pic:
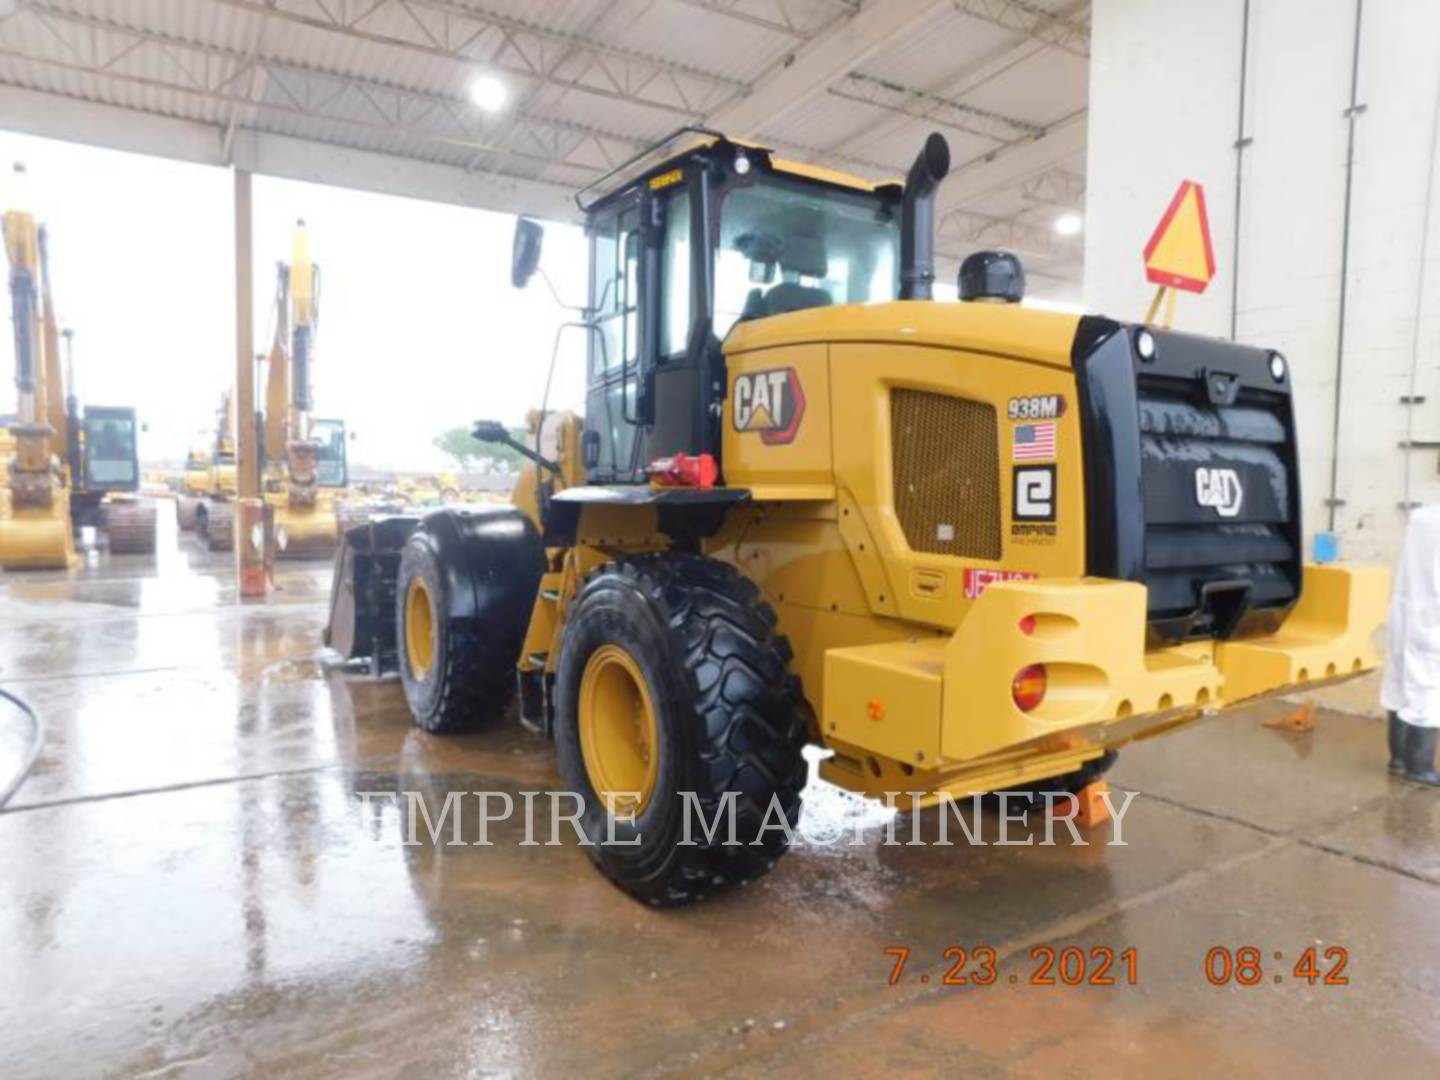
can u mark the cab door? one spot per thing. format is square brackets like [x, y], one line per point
[611, 417]
[646, 396]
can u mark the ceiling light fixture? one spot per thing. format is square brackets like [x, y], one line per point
[1069, 224]
[488, 93]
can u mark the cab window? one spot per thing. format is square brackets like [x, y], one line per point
[675, 304]
[785, 246]
[614, 292]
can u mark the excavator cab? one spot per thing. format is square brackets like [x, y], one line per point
[331, 466]
[112, 462]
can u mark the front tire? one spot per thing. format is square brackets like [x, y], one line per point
[682, 654]
[458, 674]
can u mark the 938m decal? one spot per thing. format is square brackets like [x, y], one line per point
[769, 402]
[1037, 407]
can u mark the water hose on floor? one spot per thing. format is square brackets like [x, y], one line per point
[34, 753]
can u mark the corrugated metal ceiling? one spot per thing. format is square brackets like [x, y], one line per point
[589, 81]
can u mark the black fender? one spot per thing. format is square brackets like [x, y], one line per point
[681, 513]
[492, 560]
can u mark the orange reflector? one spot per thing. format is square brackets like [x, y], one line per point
[1029, 686]
[1027, 625]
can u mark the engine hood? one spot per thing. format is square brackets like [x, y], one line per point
[1011, 330]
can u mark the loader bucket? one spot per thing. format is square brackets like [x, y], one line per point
[362, 592]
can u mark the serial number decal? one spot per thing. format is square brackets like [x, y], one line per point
[769, 402]
[978, 578]
[1037, 407]
[1070, 965]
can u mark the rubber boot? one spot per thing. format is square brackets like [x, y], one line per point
[1397, 742]
[1420, 755]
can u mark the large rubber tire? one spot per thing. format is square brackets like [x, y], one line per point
[730, 718]
[469, 680]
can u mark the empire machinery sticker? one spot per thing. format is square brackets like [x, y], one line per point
[1033, 503]
[769, 402]
[977, 579]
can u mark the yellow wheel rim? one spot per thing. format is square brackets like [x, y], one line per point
[419, 628]
[619, 735]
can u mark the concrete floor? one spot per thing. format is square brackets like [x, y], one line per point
[191, 885]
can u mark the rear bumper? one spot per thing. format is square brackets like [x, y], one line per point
[937, 714]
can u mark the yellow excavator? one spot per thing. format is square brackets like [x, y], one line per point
[304, 468]
[66, 470]
[207, 503]
[190, 487]
[102, 454]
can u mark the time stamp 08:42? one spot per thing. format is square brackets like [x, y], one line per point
[1101, 965]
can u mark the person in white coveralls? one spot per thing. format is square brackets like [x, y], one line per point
[1410, 687]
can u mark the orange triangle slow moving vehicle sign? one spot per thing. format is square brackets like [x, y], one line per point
[1179, 253]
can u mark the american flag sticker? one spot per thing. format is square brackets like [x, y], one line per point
[1035, 442]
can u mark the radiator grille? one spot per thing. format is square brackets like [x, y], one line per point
[947, 473]
[1188, 546]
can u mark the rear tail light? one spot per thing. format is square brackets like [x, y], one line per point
[1029, 687]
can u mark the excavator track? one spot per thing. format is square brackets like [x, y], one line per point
[220, 526]
[185, 508]
[130, 524]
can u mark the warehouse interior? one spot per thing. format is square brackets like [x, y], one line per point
[880, 410]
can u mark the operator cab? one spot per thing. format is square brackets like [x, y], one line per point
[688, 241]
[698, 234]
[331, 468]
[112, 462]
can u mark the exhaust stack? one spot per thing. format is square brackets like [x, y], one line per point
[917, 219]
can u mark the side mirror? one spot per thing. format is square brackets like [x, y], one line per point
[525, 253]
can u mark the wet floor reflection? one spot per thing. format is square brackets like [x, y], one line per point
[196, 880]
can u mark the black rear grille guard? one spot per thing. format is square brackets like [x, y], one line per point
[1205, 579]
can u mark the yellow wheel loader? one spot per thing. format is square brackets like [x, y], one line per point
[962, 547]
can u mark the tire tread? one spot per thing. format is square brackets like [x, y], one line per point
[752, 720]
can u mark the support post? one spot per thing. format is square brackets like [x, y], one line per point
[247, 479]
